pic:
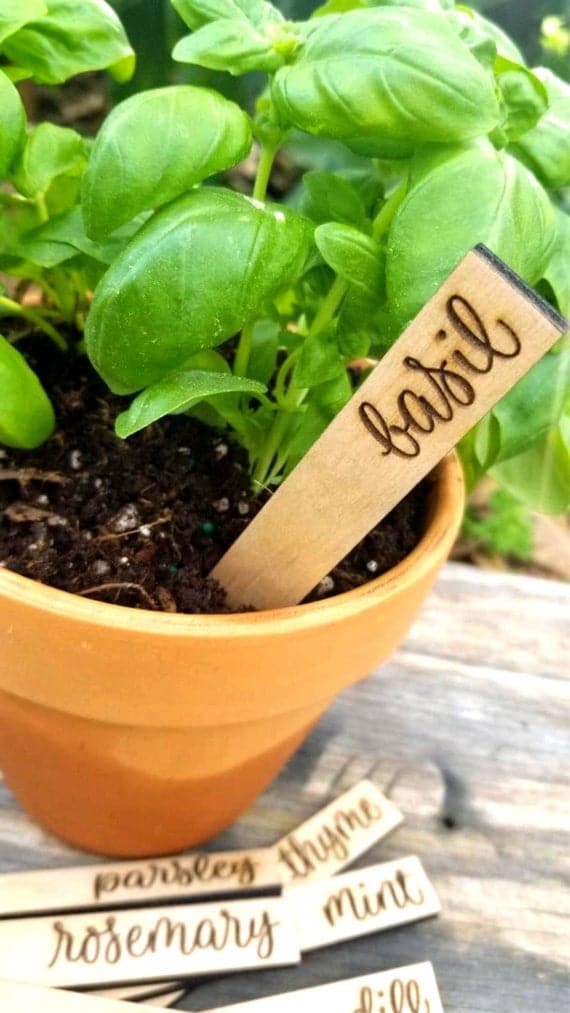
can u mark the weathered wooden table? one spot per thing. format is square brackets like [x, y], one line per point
[467, 730]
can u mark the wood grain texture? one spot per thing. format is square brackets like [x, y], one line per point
[478, 334]
[467, 731]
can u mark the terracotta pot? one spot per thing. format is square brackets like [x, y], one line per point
[133, 733]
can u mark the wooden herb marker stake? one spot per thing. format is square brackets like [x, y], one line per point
[167, 1000]
[336, 836]
[479, 334]
[149, 996]
[361, 902]
[197, 874]
[15, 998]
[411, 989]
[149, 944]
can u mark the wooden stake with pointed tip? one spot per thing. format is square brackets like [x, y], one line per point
[474, 339]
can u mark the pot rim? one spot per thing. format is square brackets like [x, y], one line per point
[444, 516]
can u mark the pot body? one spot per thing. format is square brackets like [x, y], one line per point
[133, 733]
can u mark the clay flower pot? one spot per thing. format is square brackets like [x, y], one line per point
[132, 733]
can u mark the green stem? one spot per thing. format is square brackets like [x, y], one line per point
[243, 351]
[276, 434]
[41, 208]
[329, 306]
[13, 199]
[36, 318]
[295, 396]
[284, 372]
[266, 159]
[384, 218]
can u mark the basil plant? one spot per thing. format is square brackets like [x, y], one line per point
[427, 134]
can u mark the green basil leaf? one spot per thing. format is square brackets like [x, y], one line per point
[178, 392]
[338, 7]
[353, 255]
[320, 360]
[26, 414]
[234, 46]
[474, 29]
[524, 97]
[470, 195]
[324, 154]
[14, 14]
[540, 477]
[219, 255]
[63, 237]
[15, 74]
[332, 395]
[557, 270]
[330, 198]
[546, 148]
[72, 37]
[195, 133]
[424, 5]
[12, 124]
[486, 443]
[50, 151]
[353, 344]
[307, 428]
[43, 250]
[263, 353]
[384, 81]
[534, 405]
[324, 403]
[196, 13]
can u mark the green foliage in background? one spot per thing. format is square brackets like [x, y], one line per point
[505, 529]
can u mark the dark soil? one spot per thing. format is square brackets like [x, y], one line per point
[142, 522]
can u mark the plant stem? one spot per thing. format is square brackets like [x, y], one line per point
[13, 199]
[276, 434]
[41, 207]
[14, 309]
[243, 351]
[384, 218]
[295, 396]
[283, 374]
[266, 159]
[329, 306]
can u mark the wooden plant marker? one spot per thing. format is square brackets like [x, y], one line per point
[480, 333]
[148, 944]
[150, 997]
[337, 835]
[15, 998]
[362, 902]
[197, 874]
[411, 989]
[166, 1000]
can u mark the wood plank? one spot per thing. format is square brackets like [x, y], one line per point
[466, 730]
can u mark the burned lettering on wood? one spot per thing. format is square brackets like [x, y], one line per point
[362, 900]
[445, 388]
[106, 944]
[400, 997]
[201, 868]
[331, 840]
[358, 903]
